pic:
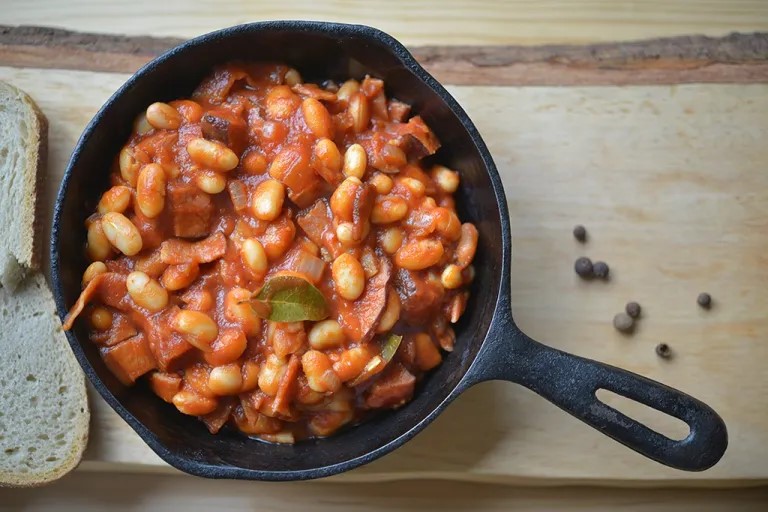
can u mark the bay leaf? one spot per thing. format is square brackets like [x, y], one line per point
[289, 298]
[379, 362]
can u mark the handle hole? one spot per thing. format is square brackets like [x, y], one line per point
[669, 426]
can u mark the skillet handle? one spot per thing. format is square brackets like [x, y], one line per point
[570, 382]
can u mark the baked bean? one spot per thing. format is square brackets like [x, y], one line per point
[419, 254]
[369, 262]
[101, 318]
[192, 404]
[268, 200]
[150, 190]
[429, 203]
[98, 247]
[196, 379]
[382, 183]
[146, 292]
[286, 338]
[281, 102]
[178, 277]
[225, 380]
[227, 348]
[447, 223]
[292, 77]
[348, 276]
[343, 198]
[238, 309]
[129, 166]
[345, 232]
[278, 238]
[351, 363]
[413, 185]
[355, 161]
[92, 270]
[392, 239]
[190, 110]
[116, 199]
[326, 334]
[388, 209]
[162, 116]
[465, 250]
[198, 329]
[121, 233]
[393, 158]
[254, 162]
[254, 257]
[317, 117]
[427, 354]
[451, 277]
[250, 372]
[212, 155]
[141, 126]
[198, 300]
[210, 182]
[319, 372]
[446, 179]
[328, 160]
[271, 373]
[359, 111]
[391, 313]
[347, 89]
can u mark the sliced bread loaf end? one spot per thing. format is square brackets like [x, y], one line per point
[23, 139]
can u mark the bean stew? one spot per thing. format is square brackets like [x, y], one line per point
[276, 255]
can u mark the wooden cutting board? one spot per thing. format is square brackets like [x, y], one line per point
[660, 148]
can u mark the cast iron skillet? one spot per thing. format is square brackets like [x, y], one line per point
[489, 344]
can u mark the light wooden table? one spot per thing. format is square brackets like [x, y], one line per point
[416, 22]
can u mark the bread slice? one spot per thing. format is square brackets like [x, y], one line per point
[23, 137]
[43, 404]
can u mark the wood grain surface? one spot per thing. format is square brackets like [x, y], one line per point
[737, 58]
[415, 22]
[90, 492]
[670, 182]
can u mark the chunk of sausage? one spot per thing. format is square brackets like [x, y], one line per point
[420, 297]
[393, 389]
[360, 320]
[180, 252]
[129, 359]
[191, 210]
[223, 125]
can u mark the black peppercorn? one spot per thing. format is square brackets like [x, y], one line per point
[704, 300]
[601, 269]
[583, 267]
[623, 322]
[633, 309]
[580, 233]
[663, 351]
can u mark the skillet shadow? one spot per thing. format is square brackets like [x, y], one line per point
[457, 441]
